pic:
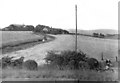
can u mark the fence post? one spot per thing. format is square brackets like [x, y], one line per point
[102, 58]
[116, 59]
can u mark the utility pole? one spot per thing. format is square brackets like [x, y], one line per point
[76, 28]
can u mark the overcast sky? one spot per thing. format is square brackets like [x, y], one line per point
[92, 14]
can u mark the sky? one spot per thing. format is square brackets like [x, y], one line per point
[92, 14]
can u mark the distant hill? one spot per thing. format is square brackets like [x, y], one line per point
[104, 31]
[109, 33]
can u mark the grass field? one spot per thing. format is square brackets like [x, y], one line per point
[17, 37]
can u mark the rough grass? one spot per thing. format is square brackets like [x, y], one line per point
[48, 72]
[11, 38]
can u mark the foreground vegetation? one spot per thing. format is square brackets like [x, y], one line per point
[60, 65]
[49, 72]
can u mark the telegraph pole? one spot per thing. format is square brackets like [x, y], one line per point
[76, 28]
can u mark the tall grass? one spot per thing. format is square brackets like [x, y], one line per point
[46, 72]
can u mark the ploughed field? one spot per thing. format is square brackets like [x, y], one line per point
[11, 38]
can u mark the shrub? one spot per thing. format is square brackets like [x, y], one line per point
[93, 63]
[54, 58]
[84, 65]
[30, 65]
[102, 65]
[102, 35]
[95, 35]
[17, 62]
[5, 61]
[70, 59]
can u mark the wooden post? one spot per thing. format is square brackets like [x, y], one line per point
[102, 58]
[116, 59]
[76, 28]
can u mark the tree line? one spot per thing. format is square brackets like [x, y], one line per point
[100, 35]
[37, 28]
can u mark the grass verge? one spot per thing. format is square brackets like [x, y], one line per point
[48, 72]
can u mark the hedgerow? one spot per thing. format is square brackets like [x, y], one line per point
[71, 59]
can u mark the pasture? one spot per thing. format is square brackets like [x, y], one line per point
[11, 38]
[16, 37]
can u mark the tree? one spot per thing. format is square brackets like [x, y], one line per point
[95, 35]
[39, 28]
[29, 28]
[102, 35]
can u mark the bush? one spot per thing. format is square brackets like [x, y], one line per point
[9, 62]
[93, 63]
[102, 65]
[84, 65]
[70, 59]
[17, 62]
[30, 65]
[5, 61]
